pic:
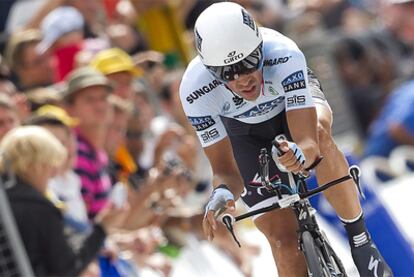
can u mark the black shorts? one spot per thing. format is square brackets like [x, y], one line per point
[248, 139]
[315, 86]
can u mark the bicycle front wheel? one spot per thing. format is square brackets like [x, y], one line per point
[312, 255]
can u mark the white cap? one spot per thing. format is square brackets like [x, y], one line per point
[57, 23]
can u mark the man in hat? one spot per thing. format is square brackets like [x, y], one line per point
[118, 66]
[86, 98]
[30, 68]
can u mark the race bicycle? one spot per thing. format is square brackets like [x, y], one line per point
[321, 259]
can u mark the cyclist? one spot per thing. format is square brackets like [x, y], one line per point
[247, 85]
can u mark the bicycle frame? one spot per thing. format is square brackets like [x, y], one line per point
[291, 199]
[299, 203]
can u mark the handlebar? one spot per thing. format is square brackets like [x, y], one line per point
[228, 220]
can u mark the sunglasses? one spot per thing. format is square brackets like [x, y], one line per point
[232, 72]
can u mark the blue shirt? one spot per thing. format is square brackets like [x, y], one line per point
[398, 110]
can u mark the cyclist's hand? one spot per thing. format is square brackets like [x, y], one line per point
[221, 200]
[292, 159]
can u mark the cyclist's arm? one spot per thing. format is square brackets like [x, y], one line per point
[303, 129]
[203, 113]
[300, 109]
[224, 166]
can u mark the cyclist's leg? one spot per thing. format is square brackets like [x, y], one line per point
[279, 227]
[344, 197]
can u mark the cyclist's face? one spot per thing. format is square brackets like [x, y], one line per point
[247, 86]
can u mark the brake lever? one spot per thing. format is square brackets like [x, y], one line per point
[355, 173]
[228, 221]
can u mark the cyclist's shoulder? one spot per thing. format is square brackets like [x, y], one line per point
[195, 71]
[280, 51]
[275, 42]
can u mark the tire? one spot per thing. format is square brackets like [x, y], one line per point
[312, 255]
[338, 263]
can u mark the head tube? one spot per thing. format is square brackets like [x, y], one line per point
[228, 73]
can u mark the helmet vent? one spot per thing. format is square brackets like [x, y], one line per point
[248, 20]
[199, 40]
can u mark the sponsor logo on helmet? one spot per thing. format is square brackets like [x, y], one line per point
[199, 40]
[202, 91]
[262, 108]
[248, 20]
[294, 81]
[202, 122]
[275, 61]
[232, 56]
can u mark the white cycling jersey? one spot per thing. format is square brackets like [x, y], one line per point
[285, 87]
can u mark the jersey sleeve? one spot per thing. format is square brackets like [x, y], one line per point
[203, 114]
[294, 80]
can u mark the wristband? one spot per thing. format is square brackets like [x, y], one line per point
[222, 186]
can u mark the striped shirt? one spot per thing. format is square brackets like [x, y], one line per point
[92, 168]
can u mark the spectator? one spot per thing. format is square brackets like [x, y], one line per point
[94, 14]
[8, 115]
[366, 76]
[118, 67]
[153, 63]
[43, 96]
[161, 25]
[135, 144]
[33, 155]
[19, 100]
[66, 185]
[126, 37]
[30, 69]
[394, 37]
[86, 98]
[395, 124]
[122, 165]
[62, 29]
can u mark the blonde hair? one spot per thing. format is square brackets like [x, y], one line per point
[24, 147]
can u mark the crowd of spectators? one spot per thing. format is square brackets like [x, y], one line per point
[102, 78]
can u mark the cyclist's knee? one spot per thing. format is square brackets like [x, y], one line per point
[282, 243]
[280, 232]
[325, 117]
[325, 138]
[326, 141]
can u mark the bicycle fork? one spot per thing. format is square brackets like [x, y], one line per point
[305, 215]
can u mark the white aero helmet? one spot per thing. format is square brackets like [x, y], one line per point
[228, 41]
